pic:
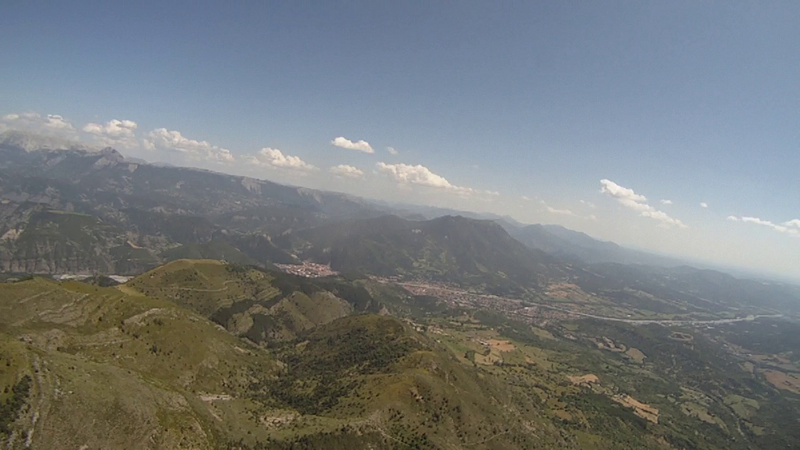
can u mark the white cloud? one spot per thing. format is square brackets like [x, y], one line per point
[765, 223]
[361, 146]
[526, 198]
[703, 205]
[666, 202]
[274, 158]
[791, 227]
[663, 217]
[733, 218]
[565, 212]
[420, 175]
[392, 151]
[56, 122]
[619, 192]
[636, 206]
[589, 204]
[114, 133]
[630, 199]
[52, 124]
[561, 212]
[758, 221]
[170, 140]
[343, 170]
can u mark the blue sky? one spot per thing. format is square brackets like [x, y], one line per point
[484, 104]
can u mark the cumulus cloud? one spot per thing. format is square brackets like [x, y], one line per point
[791, 227]
[52, 124]
[420, 175]
[361, 146]
[171, 140]
[343, 170]
[274, 158]
[619, 192]
[115, 133]
[56, 122]
[703, 205]
[666, 202]
[392, 151]
[630, 199]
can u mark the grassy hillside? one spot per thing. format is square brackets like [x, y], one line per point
[262, 305]
[144, 367]
[146, 373]
[211, 250]
[108, 369]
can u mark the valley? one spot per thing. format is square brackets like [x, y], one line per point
[179, 308]
[404, 225]
[530, 311]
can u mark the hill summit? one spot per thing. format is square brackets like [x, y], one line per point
[477, 253]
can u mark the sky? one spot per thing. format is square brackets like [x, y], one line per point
[667, 126]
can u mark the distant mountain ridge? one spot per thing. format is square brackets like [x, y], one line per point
[69, 176]
[449, 248]
[93, 212]
[553, 239]
[563, 242]
[96, 212]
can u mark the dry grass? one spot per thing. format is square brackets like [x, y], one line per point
[785, 381]
[585, 379]
[642, 410]
[636, 355]
[502, 346]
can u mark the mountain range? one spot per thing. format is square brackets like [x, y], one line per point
[87, 211]
[94, 211]
[409, 327]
